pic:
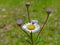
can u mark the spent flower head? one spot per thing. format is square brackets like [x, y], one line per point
[19, 22]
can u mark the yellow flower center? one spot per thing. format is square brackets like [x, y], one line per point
[31, 27]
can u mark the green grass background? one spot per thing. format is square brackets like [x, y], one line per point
[11, 34]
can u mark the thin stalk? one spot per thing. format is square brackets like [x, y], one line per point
[32, 42]
[25, 33]
[28, 16]
[43, 26]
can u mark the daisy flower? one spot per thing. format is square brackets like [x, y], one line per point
[30, 27]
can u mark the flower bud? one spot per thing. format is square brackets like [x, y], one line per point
[48, 10]
[27, 4]
[19, 22]
[34, 21]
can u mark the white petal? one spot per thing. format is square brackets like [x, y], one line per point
[37, 27]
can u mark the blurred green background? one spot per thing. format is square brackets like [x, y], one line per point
[12, 10]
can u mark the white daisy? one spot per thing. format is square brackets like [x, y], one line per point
[31, 27]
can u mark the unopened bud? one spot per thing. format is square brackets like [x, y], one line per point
[19, 22]
[27, 3]
[48, 10]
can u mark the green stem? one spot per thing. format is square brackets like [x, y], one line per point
[43, 26]
[28, 14]
[32, 42]
[25, 33]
